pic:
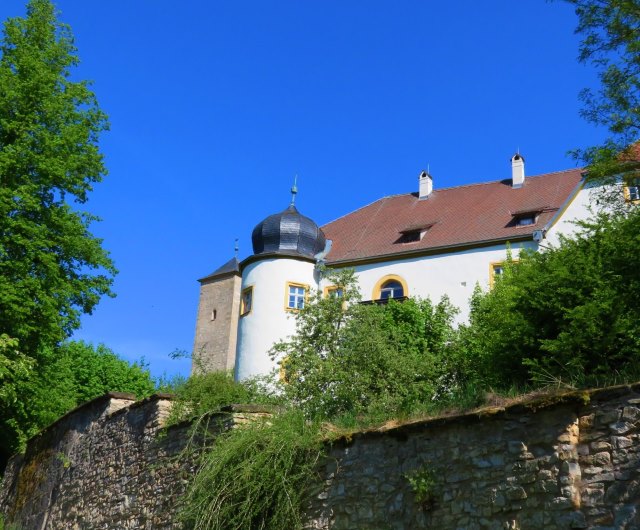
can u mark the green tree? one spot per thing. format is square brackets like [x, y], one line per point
[347, 357]
[611, 43]
[52, 269]
[569, 314]
[72, 374]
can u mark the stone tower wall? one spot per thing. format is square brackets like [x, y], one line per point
[214, 347]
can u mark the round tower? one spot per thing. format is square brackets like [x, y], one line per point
[276, 281]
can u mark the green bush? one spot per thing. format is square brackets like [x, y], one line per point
[566, 315]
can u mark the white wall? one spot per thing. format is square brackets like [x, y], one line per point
[268, 321]
[454, 274]
[577, 209]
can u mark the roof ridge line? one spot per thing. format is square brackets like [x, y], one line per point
[447, 188]
[500, 180]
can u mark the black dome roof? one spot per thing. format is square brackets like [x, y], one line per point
[288, 232]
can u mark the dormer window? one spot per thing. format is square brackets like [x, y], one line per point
[413, 234]
[524, 218]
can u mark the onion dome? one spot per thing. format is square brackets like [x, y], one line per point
[288, 233]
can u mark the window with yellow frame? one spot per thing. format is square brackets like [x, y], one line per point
[246, 301]
[295, 296]
[283, 372]
[333, 291]
[496, 269]
[632, 190]
[390, 287]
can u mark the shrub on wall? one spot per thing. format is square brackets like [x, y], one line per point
[568, 314]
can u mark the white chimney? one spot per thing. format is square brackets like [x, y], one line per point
[425, 185]
[517, 171]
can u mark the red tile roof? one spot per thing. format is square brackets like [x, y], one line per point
[464, 215]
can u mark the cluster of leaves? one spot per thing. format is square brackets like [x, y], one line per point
[48, 155]
[352, 358]
[611, 43]
[203, 393]
[67, 376]
[423, 483]
[569, 314]
[256, 477]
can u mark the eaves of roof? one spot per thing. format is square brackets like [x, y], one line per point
[445, 249]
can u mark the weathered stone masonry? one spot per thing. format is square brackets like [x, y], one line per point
[572, 462]
[567, 462]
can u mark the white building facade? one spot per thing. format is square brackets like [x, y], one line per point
[431, 243]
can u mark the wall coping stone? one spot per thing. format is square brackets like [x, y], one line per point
[96, 402]
[538, 402]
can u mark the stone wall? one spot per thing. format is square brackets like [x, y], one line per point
[108, 464]
[570, 461]
[567, 462]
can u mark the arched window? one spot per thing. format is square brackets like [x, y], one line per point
[390, 287]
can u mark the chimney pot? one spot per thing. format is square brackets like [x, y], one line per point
[517, 171]
[425, 185]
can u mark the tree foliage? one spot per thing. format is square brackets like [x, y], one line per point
[207, 392]
[611, 43]
[68, 375]
[347, 357]
[52, 269]
[568, 314]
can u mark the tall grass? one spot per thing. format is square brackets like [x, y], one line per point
[257, 477]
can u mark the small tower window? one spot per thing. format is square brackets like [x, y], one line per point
[214, 314]
[296, 296]
[246, 301]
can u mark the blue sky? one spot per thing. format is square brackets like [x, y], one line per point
[215, 106]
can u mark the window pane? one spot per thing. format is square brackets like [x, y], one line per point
[296, 297]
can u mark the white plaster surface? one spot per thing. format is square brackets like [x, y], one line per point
[454, 274]
[578, 209]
